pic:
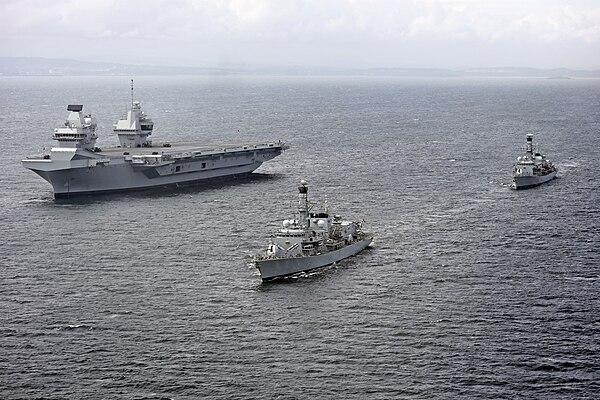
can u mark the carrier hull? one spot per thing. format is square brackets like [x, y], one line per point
[271, 268]
[81, 172]
[524, 182]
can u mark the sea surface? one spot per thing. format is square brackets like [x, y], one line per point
[470, 291]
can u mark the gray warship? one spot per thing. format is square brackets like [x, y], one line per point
[75, 166]
[532, 168]
[313, 240]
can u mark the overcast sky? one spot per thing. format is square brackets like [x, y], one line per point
[335, 33]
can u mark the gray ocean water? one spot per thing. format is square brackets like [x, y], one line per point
[471, 291]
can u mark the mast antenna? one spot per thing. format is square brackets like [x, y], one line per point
[132, 93]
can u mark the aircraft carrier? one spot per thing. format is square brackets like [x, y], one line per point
[77, 167]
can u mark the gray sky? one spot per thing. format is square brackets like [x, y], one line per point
[336, 33]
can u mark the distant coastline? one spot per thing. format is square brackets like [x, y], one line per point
[32, 66]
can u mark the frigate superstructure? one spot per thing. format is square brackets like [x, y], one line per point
[311, 240]
[532, 168]
[75, 166]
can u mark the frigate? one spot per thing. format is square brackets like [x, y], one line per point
[75, 166]
[532, 168]
[311, 240]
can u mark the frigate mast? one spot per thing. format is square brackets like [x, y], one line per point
[132, 93]
[529, 149]
[303, 204]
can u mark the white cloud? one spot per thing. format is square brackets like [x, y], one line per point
[270, 19]
[245, 25]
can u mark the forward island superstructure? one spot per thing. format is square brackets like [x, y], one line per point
[312, 240]
[532, 168]
[77, 167]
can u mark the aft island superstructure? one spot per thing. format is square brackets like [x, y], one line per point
[77, 167]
